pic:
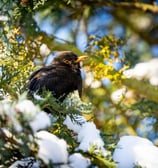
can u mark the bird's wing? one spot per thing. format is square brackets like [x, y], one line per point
[58, 80]
[35, 81]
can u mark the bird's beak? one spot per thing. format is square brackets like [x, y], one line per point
[81, 58]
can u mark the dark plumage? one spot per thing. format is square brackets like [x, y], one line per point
[61, 77]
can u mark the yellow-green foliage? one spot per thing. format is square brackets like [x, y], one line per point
[15, 61]
[104, 52]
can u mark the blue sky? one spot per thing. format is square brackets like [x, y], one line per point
[99, 25]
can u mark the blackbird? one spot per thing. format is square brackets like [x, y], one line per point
[60, 78]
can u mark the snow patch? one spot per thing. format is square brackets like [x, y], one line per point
[40, 121]
[51, 148]
[133, 150]
[78, 161]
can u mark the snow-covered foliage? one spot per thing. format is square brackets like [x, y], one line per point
[85, 136]
[32, 114]
[25, 127]
[74, 126]
[27, 162]
[29, 139]
[146, 70]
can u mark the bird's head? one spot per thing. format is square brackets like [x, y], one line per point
[68, 58]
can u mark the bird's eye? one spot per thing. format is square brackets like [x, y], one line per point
[67, 61]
